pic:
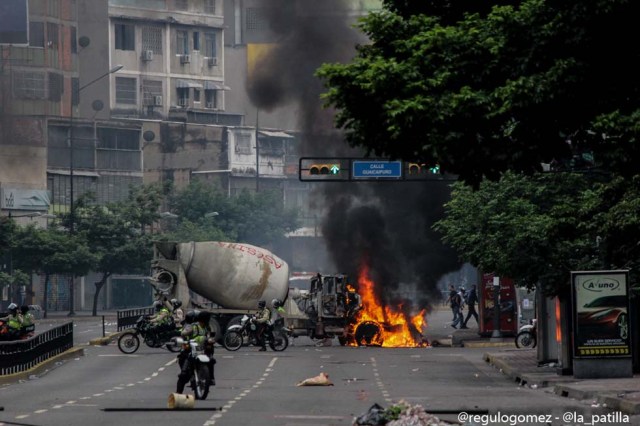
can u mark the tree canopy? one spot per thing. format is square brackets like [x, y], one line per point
[538, 229]
[206, 214]
[479, 88]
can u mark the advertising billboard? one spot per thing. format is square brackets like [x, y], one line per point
[14, 22]
[601, 314]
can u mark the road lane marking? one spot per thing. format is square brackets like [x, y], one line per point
[23, 416]
[212, 420]
[41, 411]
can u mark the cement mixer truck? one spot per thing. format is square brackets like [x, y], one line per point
[235, 276]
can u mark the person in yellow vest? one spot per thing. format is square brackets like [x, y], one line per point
[14, 321]
[28, 321]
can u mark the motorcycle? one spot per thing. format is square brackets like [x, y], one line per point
[7, 334]
[199, 373]
[153, 336]
[526, 337]
[245, 334]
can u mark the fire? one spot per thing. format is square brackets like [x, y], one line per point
[379, 325]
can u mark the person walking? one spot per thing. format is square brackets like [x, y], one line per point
[455, 302]
[472, 300]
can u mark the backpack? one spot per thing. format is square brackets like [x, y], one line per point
[456, 300]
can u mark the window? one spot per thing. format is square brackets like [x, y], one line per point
[74, 40]
[52, 34]
[243, 143]
[36, 34]
[196, 95]
[183, 96]
[125, 36]
[210, 45]
[124, 139]
[152, 39]
[182, 42]
[151, 89]
[256, 19]
[210, 6]
[56, 83]
[126, 90]
[196, 40]
[75, 91]
[182, 4]
[210, 99]
[29, 85]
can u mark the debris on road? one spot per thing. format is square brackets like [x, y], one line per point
[321, 379]
[400, 414]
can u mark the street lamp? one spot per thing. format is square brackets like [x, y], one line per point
[71, 205]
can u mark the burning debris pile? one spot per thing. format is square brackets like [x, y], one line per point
[379, 325]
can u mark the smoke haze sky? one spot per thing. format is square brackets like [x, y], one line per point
[387, 225]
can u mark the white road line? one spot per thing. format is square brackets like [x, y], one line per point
[98, 394]
[55, 407]
[85, 397]
[70, 402]
[212, 420]
[22, 416]
[41, 411]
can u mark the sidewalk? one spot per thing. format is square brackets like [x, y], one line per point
[521, 365]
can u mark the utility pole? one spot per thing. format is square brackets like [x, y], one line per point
[257, 153]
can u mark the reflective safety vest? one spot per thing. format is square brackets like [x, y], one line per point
[14, 322]
[27, 320]
[198, 333]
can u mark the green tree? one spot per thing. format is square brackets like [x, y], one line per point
[480, 88]
[115, 233]
[538, 229]
[205, 214]
[52, 251]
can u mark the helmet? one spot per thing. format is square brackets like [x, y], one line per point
[24, 309]
[12, 307]
[203, 316]
[176, 303]
[262, 304]
[157, 304]
[190, 317]
[276, 303]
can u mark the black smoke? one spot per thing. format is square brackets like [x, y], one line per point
[384, 225]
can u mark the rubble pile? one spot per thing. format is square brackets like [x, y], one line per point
[400, 414]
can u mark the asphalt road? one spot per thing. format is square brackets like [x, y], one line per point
[106, 387]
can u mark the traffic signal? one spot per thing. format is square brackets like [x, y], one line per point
[422, 169]
[324, 169]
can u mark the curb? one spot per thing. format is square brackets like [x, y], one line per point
[472, 344]
[43, 366]
[103, 341]
[615, 402]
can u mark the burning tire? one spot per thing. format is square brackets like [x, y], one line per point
[369, 333]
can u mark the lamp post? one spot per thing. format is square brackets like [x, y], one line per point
[71, 204]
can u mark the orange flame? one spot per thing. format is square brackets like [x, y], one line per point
[379, 325]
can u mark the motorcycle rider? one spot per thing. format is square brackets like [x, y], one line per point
[195, 328]
[262, 320]
[14, 320]
[162, 315]
[178, 313]
[28, 321]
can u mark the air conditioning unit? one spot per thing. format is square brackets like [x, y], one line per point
[183, 102]
[185, 59]
[210, 105]
[157, 100]
[147, 55]
[212, 62]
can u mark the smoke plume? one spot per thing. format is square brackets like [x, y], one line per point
[385, 225]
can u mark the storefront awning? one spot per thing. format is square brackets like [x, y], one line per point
[187, 84]
[215, 85]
